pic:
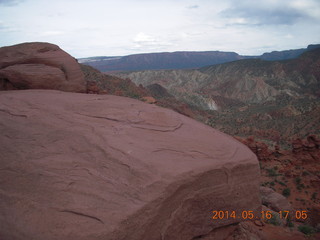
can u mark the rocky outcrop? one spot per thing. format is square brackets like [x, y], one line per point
[297, 145]
[83, 166]
[259, 148]
[39, 66]
[149, 99]
[274, 200]
[307, 150]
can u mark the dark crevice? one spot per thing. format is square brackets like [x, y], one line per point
[198, 237]
[12, 114]
[5, 84]
[83, 215]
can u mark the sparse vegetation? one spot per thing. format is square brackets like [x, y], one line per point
[260, 165]
[289, 223]
[272, 172]
[286, 192]
[306, 229]
[314, 196]
[274, 219]
[305, 173]
[300, 185]
[282, 183]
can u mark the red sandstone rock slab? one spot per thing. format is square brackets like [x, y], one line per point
[35, 65]
[79, 166]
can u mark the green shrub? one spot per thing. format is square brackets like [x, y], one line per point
[305, 173]
[282, 183]
[314, 196]
[299, 184]
[290, 224]
[306, 229]
[274, 220]
[272, 172]
[260, 165]
[286, 192]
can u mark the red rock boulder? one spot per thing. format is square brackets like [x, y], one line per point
[84, 166]
[39, 66]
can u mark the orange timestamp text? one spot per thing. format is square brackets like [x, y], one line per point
[245, 215]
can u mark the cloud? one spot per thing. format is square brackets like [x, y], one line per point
[269, 12]
[7, 29]
[144, 38]
[10, 3]
[193, 7]
[161, 26]
[144, 42]
[51, 33]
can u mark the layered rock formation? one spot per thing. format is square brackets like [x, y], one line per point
[77, 166]
[39, 66]
[244, 81]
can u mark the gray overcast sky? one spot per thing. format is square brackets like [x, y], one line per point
[120, 27]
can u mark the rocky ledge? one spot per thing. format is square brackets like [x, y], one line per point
[79, 166]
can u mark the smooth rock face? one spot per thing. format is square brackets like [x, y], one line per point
[39, 66]
[78, 166]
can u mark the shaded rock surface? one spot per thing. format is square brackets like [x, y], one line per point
[39, 66]
[77, 166]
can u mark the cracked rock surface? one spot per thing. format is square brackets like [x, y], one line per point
[101, 167]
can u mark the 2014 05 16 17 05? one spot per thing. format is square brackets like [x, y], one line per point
[248, 214]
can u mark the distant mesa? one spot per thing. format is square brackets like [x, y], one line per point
[165, 60]
[39, 66]
[181, 60]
